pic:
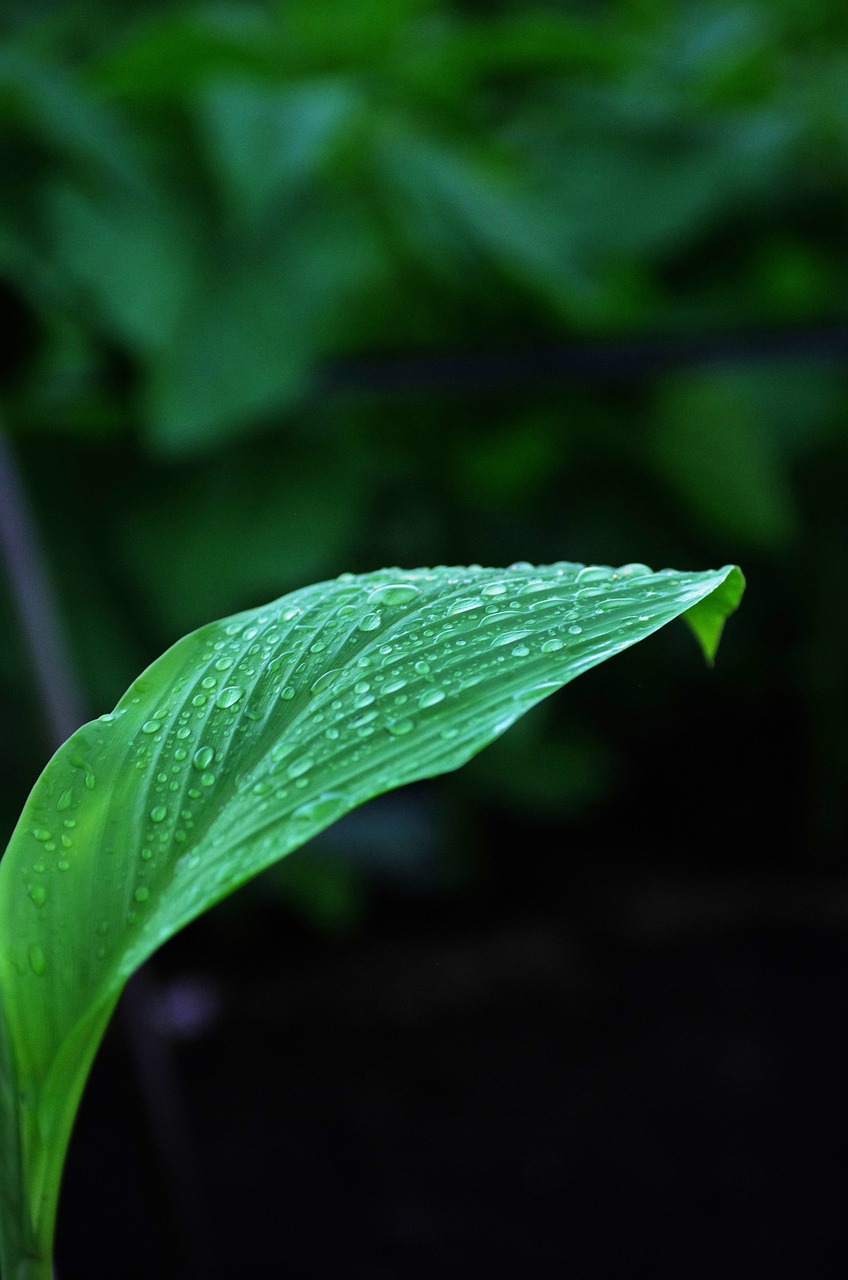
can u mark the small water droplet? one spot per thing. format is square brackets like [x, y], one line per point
[37, 959]
[38, 893]
[288, 693]
[151, 726]
[495, 589]
[199, 700]
[203, 757]
[142, 893]
[422, 668]
[147, 854]
[41, 834]
[520, 651]
[65, 800]
[63, 865]
[552, 646]
[465, 606]
[229, 697]
[369, 622]
[159, 814]
[575, 631]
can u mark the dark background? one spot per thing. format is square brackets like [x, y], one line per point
[295, 288]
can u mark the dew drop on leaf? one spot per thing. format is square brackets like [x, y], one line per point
[203, 757]
[38, 893]
[229, 697]
[37, 959]
[552, 646]
[394, 593]
[369, 622]
[159, 814]
[431, 698]
[400, 728]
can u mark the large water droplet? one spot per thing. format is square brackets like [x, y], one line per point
[430, 698]
[203, 757]
[324, 681]
[229, 697]
[322, 808]
[400, 728]
[552, 646]
[298, 767]
[151, 726]
[369, 622]
[394, 593]
[575, 631]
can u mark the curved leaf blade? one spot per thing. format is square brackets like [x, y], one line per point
[237, 746]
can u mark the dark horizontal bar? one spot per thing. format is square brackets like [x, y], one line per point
[604, 362]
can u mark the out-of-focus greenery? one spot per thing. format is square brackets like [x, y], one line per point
[214, 216]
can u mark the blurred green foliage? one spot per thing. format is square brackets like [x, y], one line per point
[213, 214]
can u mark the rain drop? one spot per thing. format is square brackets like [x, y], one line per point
[203, 757]
[430, 698]
[229, 697]
[394, 593]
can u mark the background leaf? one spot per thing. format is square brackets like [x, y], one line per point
[244, 740]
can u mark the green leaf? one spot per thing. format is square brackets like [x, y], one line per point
[240, 743]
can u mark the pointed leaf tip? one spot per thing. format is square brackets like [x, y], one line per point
[707, 618]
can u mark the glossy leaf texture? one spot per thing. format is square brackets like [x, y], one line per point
[239, 744]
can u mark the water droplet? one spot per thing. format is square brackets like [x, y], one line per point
[41, 834]
[67, 842]
[394, 593]
[203, 757]
[63, 865]
[399, 728]
[394, 686]
[38, 893]
[159, 814]
[288, 693]
[465, 606]
[422, 668]
[65, 800]
[224, 664]
[147, 854]
[520, 651]
[430, 698]
[199, 700]
[298, 767]
[575, 631]
[369, 622]
[552, 646]
[324, 681]
[495, 589]
[229, 697]
[209, 682]
[322, 808]
[511, 637]
[151, 726]
[207, 779]
[37, 959]
[141, 894]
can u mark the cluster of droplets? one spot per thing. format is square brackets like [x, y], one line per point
[299, 707]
